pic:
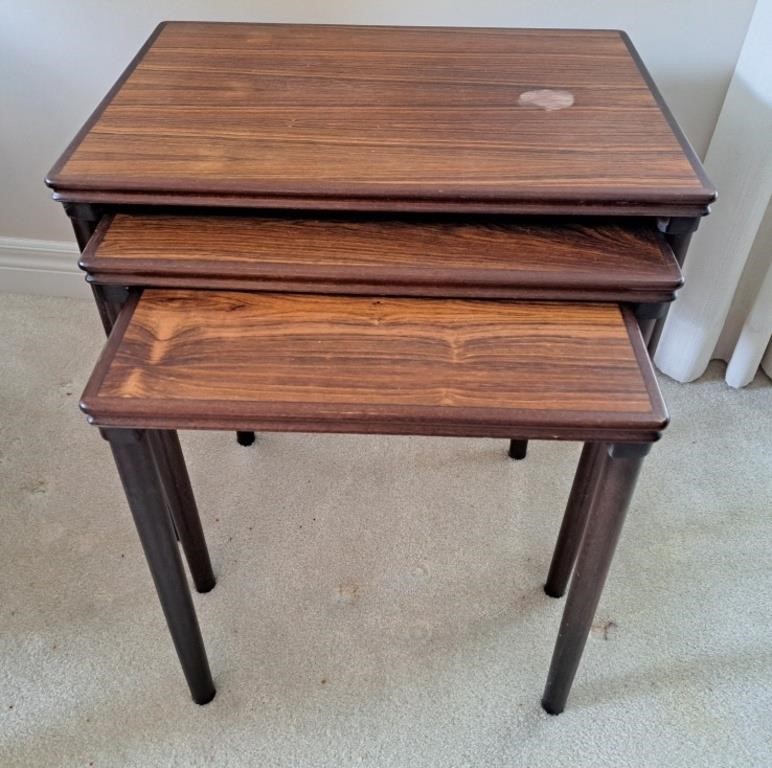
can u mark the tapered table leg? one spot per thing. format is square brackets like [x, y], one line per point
[619, 472]
[170, 463]
[137, 470]
[518, 449]
[678, 233]
[182, 506]
[575, 518]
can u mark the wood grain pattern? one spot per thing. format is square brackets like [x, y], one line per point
[205, 359]
[628, 261]
[384, 118]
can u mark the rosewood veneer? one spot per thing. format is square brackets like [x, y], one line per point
[591, 260]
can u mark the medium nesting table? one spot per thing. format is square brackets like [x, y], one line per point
[489, 212]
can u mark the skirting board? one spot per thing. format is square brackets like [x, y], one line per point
[42, 267]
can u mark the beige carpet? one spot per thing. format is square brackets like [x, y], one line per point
[380, 599]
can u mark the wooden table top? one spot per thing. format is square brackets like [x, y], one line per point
[385, 118]
[579, 259]
[222, 360]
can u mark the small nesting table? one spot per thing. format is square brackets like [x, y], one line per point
[292, 362]
[474, 199]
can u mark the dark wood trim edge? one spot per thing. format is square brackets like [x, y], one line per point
[108, 351]
[658, 407]
[688, 149]
[51, 178]
[108, 410]
[352, 288]
[378, 426]
[669, 207]
[95, 241]
[669, 255]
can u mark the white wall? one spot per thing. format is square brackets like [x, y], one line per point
[58, 58]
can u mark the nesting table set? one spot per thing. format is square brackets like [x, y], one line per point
[416, 231]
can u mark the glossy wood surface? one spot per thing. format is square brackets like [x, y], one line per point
[385, 118]
[476, 258]
[206, 359]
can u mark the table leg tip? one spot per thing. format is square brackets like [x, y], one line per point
[205, 698]
[206, 586]
[245, 438]
[518, 449]
[549, 709]
[552, 592]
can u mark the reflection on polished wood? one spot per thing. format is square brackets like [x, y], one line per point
[203, 359]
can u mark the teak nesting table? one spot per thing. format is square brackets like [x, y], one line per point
[379, 229]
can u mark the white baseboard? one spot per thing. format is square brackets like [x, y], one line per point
[42, 267]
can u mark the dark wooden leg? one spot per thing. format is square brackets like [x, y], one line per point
[619, 472]
[647, 329]
[647, 316]
[518, 449]
[584, 486]
[575, 517]
[678, 233]
[84, 218]
[138, 474]
[182, 506]
[245, 438]
[173, 474]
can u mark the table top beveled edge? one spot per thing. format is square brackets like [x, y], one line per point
[612, 206]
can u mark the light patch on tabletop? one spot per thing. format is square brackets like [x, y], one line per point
[546, 99]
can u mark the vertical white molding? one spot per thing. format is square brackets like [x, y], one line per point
[754, 338]
[739, 162]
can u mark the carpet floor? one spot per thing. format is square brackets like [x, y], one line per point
[380, 599]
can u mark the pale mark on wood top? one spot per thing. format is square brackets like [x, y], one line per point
[548, 99]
